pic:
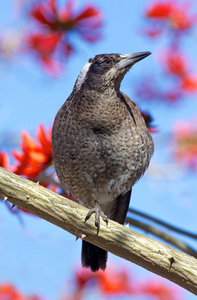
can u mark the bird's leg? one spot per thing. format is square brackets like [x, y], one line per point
[98, 213]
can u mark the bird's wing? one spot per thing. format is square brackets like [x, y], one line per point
[122, 205]
[133, 110]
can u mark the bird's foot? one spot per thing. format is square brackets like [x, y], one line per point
[98, 213]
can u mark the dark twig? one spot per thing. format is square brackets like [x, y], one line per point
[165, 224]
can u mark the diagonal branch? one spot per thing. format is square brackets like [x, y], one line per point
[162, 235]
[164, 224]
[118, 239]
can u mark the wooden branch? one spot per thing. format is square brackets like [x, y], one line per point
[118, 239]
[164, 236]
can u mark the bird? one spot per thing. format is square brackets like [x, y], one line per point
[101, 145]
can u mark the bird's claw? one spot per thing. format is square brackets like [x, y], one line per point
[98, 213]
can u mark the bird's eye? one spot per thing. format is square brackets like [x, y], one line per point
[107, 62]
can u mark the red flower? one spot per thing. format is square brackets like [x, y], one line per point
[113, 282]
[9, 292]
[84, 276]
[4, 160]
[177, 15]
[109, 282]
[118, 282]
[189, 83]
[161, 10]
[55, 26]
[181, 18]
[45, 13]
[36, 156]
[175, 63]
[160, 291]
[45, 44]
[185, 143]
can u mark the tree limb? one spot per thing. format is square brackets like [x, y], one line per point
[162, 235]
[118, 239]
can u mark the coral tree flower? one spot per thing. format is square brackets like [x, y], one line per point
[36, 156]
[177, 64]
[189, 83]
[110, 282]
[9, 292]
[178, 18]
[54, 27]
[4, 160]
[185, 138]
[118, 282]
[175, 14]
[160, 291]
[33, 160]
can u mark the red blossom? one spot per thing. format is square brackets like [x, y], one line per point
[109, 282]
[54, 27]
[4, 160]
[9, 292]
[118, 282]
[189, 83]
[45, 44]
[45, 13]
[161, 10]
[175, 62]
[84, 276]
[176, 65]
[36, 156]
[176, 14]
[185, 143]
[113, 282]
[159, 290]
[181, 17]
[34, 161]
[5, 163]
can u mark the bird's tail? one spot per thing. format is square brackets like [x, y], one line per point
[93, 257]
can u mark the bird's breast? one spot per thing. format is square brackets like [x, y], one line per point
[99, 153]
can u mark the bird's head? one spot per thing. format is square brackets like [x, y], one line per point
[107, 70]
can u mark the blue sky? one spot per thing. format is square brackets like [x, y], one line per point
[39, 257]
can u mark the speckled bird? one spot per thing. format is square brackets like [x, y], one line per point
[101, 145]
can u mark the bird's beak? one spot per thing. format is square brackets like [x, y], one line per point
[127, 60]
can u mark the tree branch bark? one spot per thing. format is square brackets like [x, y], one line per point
[162, 235]
[118, 239]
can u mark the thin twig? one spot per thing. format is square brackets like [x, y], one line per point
[165, 224]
